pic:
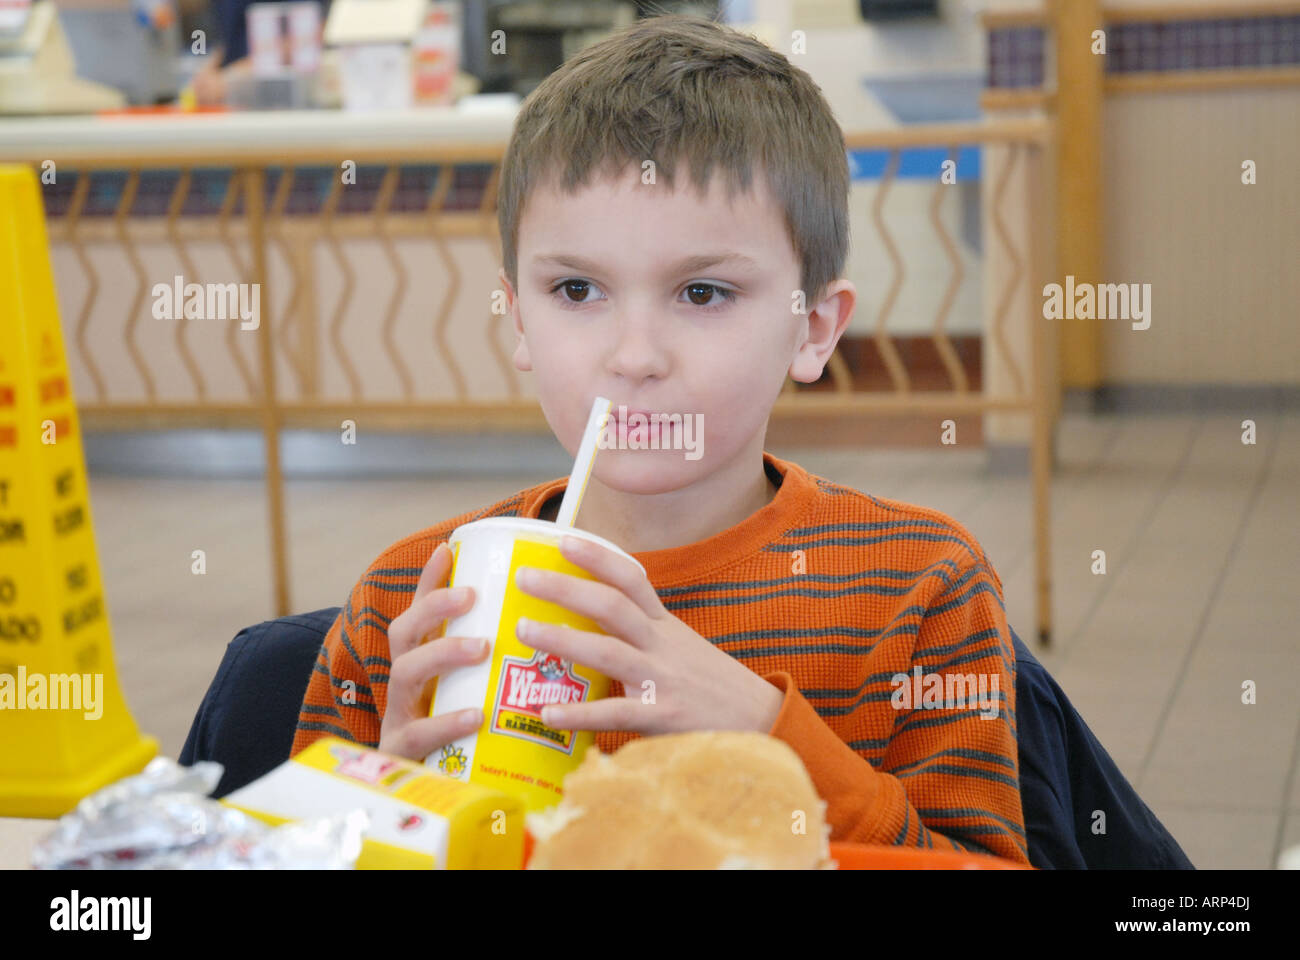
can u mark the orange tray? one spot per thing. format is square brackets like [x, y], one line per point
[859, 856]
[162, 109]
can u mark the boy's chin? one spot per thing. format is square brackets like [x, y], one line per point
[646, 471]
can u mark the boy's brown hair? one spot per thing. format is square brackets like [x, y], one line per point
[677, 87]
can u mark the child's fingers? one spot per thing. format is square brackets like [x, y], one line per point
[423, 619]
[432, 605]
[411, 675]
[419, 738]
[435, 571]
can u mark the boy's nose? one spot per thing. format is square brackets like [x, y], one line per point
[638, 349]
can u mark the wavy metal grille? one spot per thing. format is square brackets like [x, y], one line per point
[431, 199]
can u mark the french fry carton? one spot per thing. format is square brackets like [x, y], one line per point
[418, 818]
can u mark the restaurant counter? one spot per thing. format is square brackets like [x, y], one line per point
[101, 140]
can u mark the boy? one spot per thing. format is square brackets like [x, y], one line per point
[663, 194]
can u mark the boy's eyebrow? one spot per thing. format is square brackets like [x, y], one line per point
[689, 264]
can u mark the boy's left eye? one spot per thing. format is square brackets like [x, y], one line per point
[709, 289]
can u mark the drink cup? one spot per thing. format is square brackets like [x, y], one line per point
[513, 750]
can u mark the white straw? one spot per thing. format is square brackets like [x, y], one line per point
[582, 464]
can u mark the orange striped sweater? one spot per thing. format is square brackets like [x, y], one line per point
[863, 611]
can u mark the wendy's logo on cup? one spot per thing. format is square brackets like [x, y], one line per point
[552, 667]
[528, 684]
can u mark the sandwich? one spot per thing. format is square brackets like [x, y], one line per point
[704, 800]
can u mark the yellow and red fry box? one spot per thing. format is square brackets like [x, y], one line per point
[418, 817]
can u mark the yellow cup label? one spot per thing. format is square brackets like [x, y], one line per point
[527, 685]
[514, 750]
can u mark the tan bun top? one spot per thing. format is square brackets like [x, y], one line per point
[718, 799]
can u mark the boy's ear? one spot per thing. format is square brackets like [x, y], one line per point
[521, 358]
[826, 323]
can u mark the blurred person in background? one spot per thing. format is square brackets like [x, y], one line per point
[228, 50]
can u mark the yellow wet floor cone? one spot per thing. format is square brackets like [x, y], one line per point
[65, 730]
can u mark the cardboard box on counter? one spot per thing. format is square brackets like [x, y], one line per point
[418, 817]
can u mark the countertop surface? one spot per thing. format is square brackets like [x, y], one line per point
[17, 838]
[251, 134]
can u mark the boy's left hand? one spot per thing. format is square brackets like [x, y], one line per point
[696, 685]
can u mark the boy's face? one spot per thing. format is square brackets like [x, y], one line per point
[609, 305]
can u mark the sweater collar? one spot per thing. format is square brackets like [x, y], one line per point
[692, 561]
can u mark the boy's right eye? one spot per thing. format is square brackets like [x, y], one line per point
[577, 288]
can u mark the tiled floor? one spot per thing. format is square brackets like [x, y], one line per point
[1200, 534]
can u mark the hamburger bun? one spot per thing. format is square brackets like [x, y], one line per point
[705, 800]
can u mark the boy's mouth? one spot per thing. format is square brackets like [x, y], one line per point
[638, 425]
[622, 415]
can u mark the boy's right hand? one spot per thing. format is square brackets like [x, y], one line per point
[419, 656]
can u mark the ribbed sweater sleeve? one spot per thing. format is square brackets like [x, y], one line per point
[949, 776]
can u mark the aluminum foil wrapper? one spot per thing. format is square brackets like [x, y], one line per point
[163, 819]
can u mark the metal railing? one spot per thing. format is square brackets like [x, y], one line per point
[291, 205]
